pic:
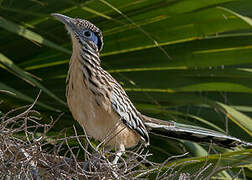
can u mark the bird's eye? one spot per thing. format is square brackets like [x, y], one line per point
[87, 34]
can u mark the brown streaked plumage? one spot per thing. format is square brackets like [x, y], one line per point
[102, 107]
[96, 100]
[92, 108]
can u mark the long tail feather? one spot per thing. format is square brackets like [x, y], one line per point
[193, 133]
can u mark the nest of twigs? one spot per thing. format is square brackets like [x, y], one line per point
[28, 152]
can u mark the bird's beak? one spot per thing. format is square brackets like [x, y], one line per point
[65, 20]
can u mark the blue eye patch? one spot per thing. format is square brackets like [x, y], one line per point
[90, 35]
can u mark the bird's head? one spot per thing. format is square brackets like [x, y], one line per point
[83, 31]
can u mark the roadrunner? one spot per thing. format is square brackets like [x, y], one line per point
[101, 106]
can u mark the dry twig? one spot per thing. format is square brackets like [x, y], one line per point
[24, 154]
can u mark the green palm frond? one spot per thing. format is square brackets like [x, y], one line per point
[182, 60]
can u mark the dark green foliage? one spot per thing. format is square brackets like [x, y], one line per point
[182, 60]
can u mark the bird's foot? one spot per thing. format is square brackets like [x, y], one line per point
[87, 163]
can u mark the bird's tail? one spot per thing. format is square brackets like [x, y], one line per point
[192, 133]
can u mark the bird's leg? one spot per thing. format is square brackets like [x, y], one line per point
[119, 153]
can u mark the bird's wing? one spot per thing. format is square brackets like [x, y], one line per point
[125, 109]
[192, 133]
[122, 105]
